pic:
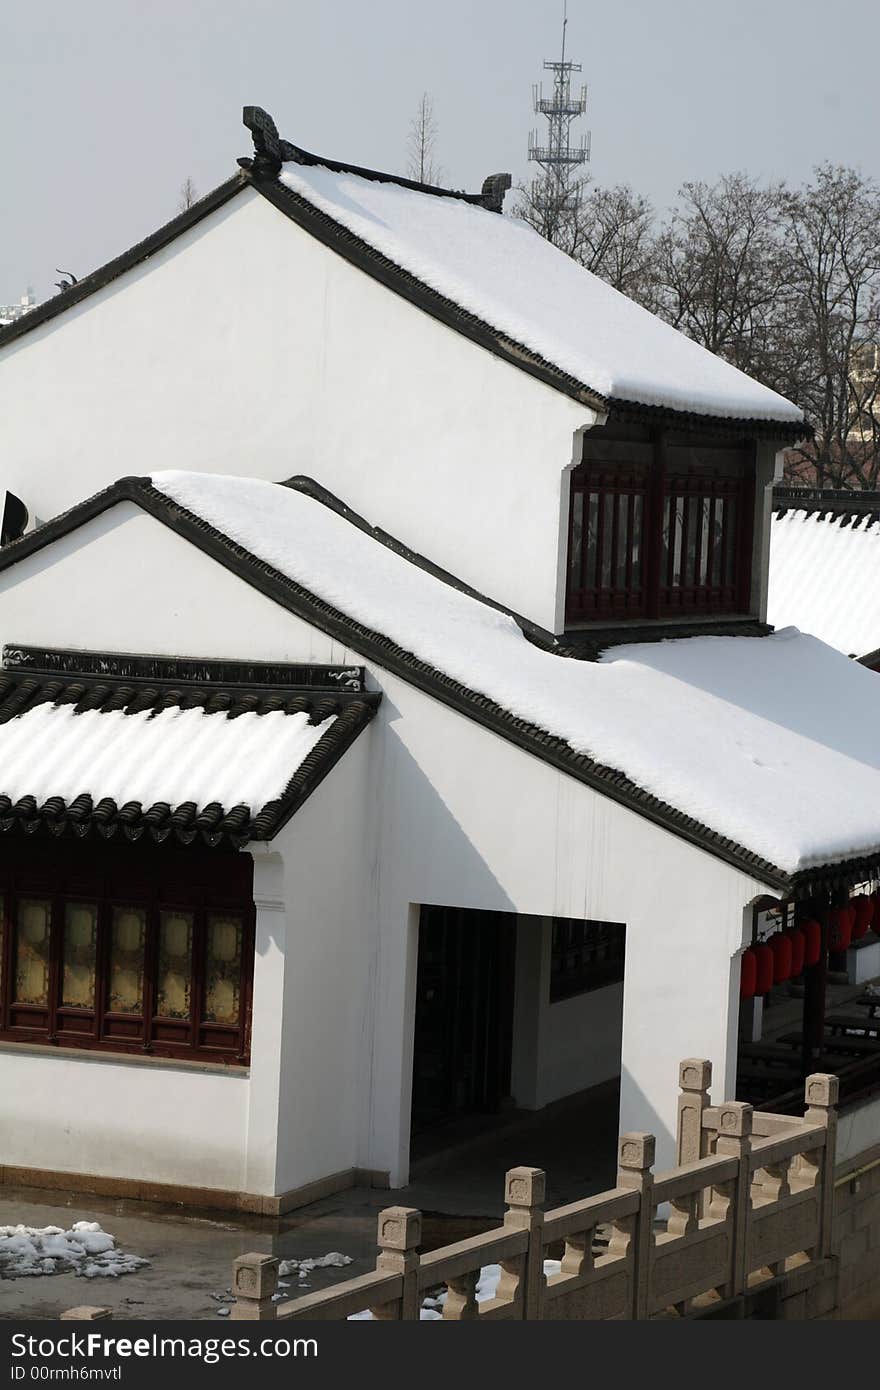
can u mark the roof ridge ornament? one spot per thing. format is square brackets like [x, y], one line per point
[271, 152]
[494, 188]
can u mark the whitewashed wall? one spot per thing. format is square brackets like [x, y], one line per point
[431, 808]
[247, 347]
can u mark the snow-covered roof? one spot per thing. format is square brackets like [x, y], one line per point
[503, 272]
[133, 757]
[742, 735]
[825, 576]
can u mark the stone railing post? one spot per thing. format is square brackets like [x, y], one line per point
[85, 1313]
[694, 1080]
[399, 1236]
[734, 1129]
[524, 1193]
[635, 1158]
[821, 1092]
[254, 1280]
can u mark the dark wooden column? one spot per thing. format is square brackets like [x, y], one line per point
[815, 982]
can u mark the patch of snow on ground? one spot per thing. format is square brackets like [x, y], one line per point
[487, 1287]
[85, 1250]
[505, 273]
[743, 734]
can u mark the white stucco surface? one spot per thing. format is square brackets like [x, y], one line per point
[265, 353]
[84, 1112]
[454, 815]
[505, 272]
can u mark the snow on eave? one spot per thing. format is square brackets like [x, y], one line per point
[500, 271]
[825, 577]
[732, 733]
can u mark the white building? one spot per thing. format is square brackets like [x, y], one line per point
[312, 826]
[9, 313]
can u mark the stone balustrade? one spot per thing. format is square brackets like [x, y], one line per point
[749, 1202]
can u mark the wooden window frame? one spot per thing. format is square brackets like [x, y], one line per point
[658, 480]
[99, 1029]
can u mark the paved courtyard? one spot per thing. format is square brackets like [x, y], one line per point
[459, 1188]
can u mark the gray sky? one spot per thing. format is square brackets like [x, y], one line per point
[107, 105]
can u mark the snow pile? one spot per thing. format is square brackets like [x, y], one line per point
[84, 1250]
[487, 1287]
[304, 1267]
[825, 578]
[743, 734]
[502, 271]
[174, 756]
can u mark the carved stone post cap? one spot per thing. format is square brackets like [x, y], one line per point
[85, 1313]
[525, 1187]
[821, 1089]
[636, 1151]
[400, 1228]
[695, 1074]
[254, 1275]
[734, 1118]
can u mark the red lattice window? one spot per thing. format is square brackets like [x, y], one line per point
[659, 528]
[126, 950]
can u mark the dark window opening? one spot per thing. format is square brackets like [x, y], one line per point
[127, 950]
[659, 527]
[585, 956]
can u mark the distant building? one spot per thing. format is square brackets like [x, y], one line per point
[10, 312]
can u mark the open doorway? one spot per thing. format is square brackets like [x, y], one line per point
[464, 1016]
[517, 1046]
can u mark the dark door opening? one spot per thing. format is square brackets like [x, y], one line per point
[464, 1014]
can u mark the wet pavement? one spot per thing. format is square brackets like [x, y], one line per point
[459, 1187]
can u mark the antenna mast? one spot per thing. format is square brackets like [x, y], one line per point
[555, 192]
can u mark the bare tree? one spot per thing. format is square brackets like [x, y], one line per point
[832, 238]
[721, 271]
[188, 194]
[609, 231]
[421, 144]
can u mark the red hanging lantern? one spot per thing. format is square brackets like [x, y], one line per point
[780, 945]
[748, 974]
[864, 915]
[766, 963]
[812, 941]
[839, 928]
[798, 951]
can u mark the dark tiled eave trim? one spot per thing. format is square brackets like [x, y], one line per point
[138, 668]
[214, 825]
[388, 654]
[366, 258]
[359, 253]
[90, 284]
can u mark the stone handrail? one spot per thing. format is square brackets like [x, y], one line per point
[749, 1199]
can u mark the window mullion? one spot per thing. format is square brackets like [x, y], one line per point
[197, 983]
[151, 966]
[654, 527]
[6, 958]
[56, 939]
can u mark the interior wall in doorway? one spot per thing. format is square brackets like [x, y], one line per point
[562, 1047]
